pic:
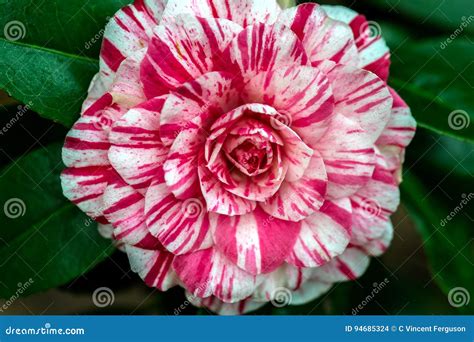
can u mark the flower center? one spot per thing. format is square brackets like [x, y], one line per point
[251, 157]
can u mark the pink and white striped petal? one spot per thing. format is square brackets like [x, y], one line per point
[349, 157]
[373, 204]
[348, 266]
[96, 90]
[322, 37]
[85, 186]
[379, 246]
[196, 103]
[401, 127]
[374, 54]
[309, 291]
[256, 242]
[87, 142]
[181, 167]
[154, 267]
[301, 94]
[362, 96]
[224, 309]
[263, 47]
[285, 278]
[397, 135]
[181, 226]
[126, 88]
[324, 235]
[297, 155]
[295, 201]
[137, 152]
[182, 50]
[209, 272]
[127, 32]
[124, 208]
[242, 12]
[218, 199]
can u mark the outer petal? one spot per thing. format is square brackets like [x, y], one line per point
[285, 278]
[309, 291]
[295, 201]
[348, 266]
[137, 152]
[324, 235]
[361, 96]
[242, 12]
[301, 94]
[181, 226]
[128, 31]
[97, 89]
[374, 54]
[124, 207]
[373, 205]
[322, 37]
[397, 135]
[209, 272]
[256, 242]
[261, 48]
[87, 142]
[154, 267]
[126, 89]
[183, 50]
[85, 186]
[378, 246]
[348, 155]
[222, 308]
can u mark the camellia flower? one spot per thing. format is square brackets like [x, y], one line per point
[239, 150]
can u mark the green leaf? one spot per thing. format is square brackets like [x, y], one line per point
[50, 82]
[72, 26]
[447, 234]
[52, 252]
[34, 181]
[42, 235]
[437, 83]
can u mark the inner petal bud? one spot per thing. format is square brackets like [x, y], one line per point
[251, 156]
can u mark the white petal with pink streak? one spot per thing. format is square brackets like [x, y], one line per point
[256, 242]
[209, 272]
[324, 235]
[181, 226]
[322, 37]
